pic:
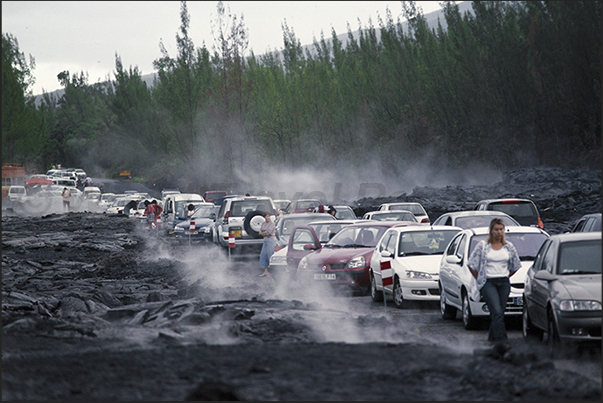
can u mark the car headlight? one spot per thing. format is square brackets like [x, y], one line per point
[303, 263]
[278, 259]
[418, 275]
[356, 262]
[577, 305]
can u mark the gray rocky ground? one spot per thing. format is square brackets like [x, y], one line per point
[95, 307]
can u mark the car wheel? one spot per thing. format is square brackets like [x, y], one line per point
[252, 224]
[398, 298]
[447, 311]
[469, 321]
[531, 334]
[376, 295]
[552, 339]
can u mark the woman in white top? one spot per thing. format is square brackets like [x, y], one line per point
[492, 263]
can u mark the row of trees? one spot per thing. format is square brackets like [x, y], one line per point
[510, 84]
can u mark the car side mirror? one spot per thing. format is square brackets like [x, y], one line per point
[386, 253]
[212, 216]
[453, 259]
[544, 275]
[309, 246]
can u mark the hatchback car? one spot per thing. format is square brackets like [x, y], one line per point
[588, 223]
[562, 295]
[281, 205]
[283, 261]
[457, 284]
[474, 218]
[204, 216]
[415, 208]
[524, 211]
[212, 195]
[174, 209]
[345, 213]
[344, 261]
[414, 255]
[393, 215]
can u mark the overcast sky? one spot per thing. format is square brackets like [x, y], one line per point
[85, 35]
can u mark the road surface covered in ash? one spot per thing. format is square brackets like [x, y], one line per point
[97, 308]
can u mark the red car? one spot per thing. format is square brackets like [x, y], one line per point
[302, 206]
[212, 195]
[344, 261]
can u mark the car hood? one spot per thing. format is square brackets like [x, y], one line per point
[424, 263]
[337, 255]
[585, 287]
[199, 222]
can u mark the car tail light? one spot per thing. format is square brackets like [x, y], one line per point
[426, 219]
[225, 219]
[278, 247]
[511, 201]
[540, 224]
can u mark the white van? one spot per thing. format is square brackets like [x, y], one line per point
[63, 182]
[16, 193]
[174, 209]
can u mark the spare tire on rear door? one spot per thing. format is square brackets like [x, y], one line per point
[253, 222]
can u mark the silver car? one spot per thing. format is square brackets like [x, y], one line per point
[562, 295]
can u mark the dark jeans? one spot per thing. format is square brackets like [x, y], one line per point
[496, 292]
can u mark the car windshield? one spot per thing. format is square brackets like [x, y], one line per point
[482, 221]
[345, 214]
[182, 205]
[582, 257]
[281, 205]
[395, 216]
[241, 208]
[306, 204]
[356, 237]
[527, 244]
[416, 209]
[428, 242]
[108, 198]
[203, 212]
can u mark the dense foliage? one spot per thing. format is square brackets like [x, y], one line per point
[510, 84]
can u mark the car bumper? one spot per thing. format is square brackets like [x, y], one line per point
[420, 290]
[514, 306]
[357, 279]
[579, 326]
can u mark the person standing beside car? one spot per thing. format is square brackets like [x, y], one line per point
[66, 199]
[267, 232]
[491, 263]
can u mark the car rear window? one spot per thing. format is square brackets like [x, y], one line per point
[481, 221]
[518, 209]
[241, 208]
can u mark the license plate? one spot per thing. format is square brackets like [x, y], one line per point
[518, 301]
[324, 276]
[237, 233]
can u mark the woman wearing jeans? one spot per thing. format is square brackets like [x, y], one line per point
[267, 231]
[492, 263]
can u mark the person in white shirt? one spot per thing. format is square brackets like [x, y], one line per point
[66, 198]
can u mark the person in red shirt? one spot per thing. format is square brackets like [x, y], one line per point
[157, 209]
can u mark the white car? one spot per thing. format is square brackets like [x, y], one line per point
[16, 193]
[457, 284]
[390, 215]
[118, 206]
[281, 205]
[414, 254]
[415, 208]
[474, 218]
[106, 200]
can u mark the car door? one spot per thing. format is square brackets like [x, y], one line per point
[451, 276]
[384, 250]
[539, 288]
[302, 241]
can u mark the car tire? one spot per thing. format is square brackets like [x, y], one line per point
[398, 297]
[552, 340]
[376, 295]
[447, 311]
[531, 334]
[470, 322]
[247, 223]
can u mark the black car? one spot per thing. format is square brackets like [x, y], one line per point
[588, 223]
[524, 211]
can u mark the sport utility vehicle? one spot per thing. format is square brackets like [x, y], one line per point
[522, 210]
[242, 216]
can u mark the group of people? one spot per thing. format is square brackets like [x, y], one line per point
[152, 211]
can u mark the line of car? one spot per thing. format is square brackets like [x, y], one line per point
[428, 261]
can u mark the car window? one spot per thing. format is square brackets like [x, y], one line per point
[538, 263]
[386, 238]
[357, 237]
[395, 216]
[301, 237]
[345, 214]
[460, 252]
[452, 246]
[203, 212]
[390, 246]
[324, 231]
[548, 260]
[520, 209]
[580, 257]
[481, 221]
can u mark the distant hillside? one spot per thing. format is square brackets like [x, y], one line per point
[432, 21]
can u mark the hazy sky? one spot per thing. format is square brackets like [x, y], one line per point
[85, 35]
